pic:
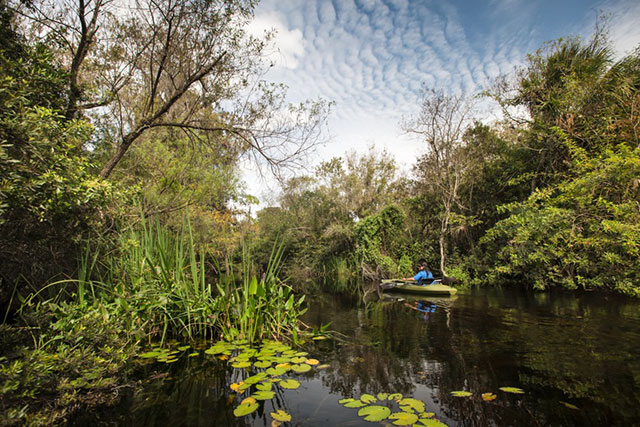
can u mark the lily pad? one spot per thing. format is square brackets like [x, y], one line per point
[245, 409]
[255, 378]
[312, 362]
[322, 366]
[352, 403]
[403, 418]
[428, 422]
[367, 398]
[184, 347]
[276, 372]
[281, 415]
[301, 368]
[395, 396]
[487, 397]
[194, 354]
[241, 364]
[262, 364]
[415, 404]
[514, 390]
[248, 400]
[289, 384]
[570, 406]
[236, 386]
[150, 355]
[383, 396]
[461, 393]
[374, 413]
[266, 386]
[298, 359]
[263, 395]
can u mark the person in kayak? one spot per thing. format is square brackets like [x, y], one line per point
[423, 275]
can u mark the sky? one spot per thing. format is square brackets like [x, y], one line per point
[372, 57]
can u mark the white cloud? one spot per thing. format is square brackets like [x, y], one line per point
[289, 44]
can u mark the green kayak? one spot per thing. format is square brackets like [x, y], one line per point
[435, 288]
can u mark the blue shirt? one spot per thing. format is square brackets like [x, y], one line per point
[422, 275]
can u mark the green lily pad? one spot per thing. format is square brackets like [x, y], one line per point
[255, 378]
[352, 403]
[184, 347]
[298, 359]
[429, 422]
[276, 372]
[301, 353]
[150, 355]
[570, 406]
[461, 393]
[395, 396]
[403, 418]
[383, 396]
[367, 398]
[263, 395]
[301, 368]
[266, 386]
[289, 384]
[194, 354]
[374, 413]
[281, 415]
[325, 366]
[262, 364]
[514, 390]
[415, 404]
[245, 409]
[241, 364]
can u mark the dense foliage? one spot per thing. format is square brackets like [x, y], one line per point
[547, 197]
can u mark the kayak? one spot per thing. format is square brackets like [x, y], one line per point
[436, 288]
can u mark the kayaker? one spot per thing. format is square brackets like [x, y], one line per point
[422, 274]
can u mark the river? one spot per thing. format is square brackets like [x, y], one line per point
[575, 357]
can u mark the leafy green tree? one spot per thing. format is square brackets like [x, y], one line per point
[49, 197]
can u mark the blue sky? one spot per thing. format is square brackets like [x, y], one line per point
[371, 57]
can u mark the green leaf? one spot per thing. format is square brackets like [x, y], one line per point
[289, 384]
[245, 409]
[367, 398]
[241, 364]
[403, 418]
[431, 422]
[253, 286]
[262, 364]
[281, 415]
[374, 413]
[461, 393]
[383, 396]
[275, 372]
[352, 403]
[150, 355]
[416, 405]
[395, 396]
[255, 378]
[263, 395]
[570, 406]
[266, 386]
[514, 390]
[301, 368]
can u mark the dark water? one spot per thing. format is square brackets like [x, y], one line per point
[582, 350]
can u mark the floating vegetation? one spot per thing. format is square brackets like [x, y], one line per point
[166, 355]
[514, 390]
[487, 397]
[570, 406]
[260, 372]
[461, 393]
[411, 411]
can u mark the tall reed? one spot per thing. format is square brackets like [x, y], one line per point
[258, 308]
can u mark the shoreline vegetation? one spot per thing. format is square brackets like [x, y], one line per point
[124, 221]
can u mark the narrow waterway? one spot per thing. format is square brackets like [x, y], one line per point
[576, 357]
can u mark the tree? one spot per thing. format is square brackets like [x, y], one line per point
[187, 65]
[441, 124]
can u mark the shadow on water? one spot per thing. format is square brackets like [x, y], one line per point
[575, 356]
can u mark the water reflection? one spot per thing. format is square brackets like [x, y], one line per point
[565, 351]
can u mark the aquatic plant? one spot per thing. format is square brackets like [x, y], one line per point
[258, 309]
